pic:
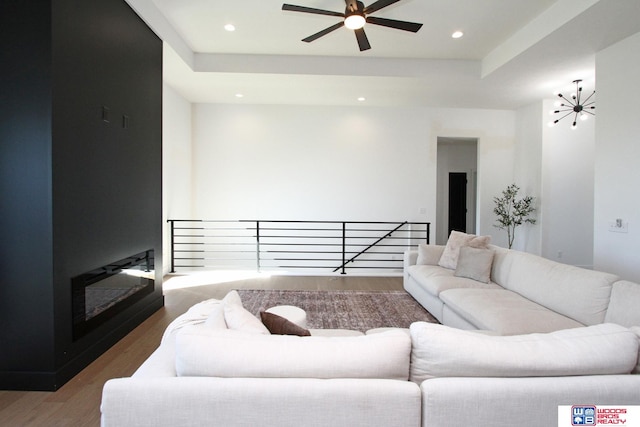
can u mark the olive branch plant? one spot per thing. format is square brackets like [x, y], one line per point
[512, 212]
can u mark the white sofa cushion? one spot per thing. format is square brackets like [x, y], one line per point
[457, 239]
[575, 292]
[504, 312]
[441, 351]
[435, 279]
[206, 352]
[623, 307]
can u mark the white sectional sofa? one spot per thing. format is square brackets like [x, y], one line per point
[224, 369]
[217, 365]
[508, 292]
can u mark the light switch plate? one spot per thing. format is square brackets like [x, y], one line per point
[619, 227]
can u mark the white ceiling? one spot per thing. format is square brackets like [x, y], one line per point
[513, 53]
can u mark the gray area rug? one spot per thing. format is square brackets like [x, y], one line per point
[357, 310]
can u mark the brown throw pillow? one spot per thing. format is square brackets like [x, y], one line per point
[278, 325]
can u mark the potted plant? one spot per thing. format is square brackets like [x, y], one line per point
[512, 212]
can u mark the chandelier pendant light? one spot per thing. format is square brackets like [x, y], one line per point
[575, 106]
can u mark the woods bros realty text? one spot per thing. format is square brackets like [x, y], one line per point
[595, 415]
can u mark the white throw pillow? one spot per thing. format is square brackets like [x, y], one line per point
[457, 239]
[196, 314]
[636, 330]
[442, 351]
[217, 353]
[238, 318]
[474, 263]
[215, 320]
[429, 254]
[623, 304]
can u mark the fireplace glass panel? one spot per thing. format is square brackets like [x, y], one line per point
[100, 294]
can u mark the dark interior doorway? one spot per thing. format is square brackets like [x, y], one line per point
[456, 155]
[457, 202]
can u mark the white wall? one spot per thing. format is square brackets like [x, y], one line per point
[567, 190]
[176, 169]
[309, 163]
[617, 151]
[527, 173]
[338, 163]
[555, 165]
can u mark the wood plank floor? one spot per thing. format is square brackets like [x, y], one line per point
[77, 403]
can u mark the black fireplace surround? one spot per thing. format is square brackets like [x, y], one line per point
[100, 294]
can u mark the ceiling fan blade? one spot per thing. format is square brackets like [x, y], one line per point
[392, 23]
[323, 32]
[363, 41]
[379, 5]
[294, 8]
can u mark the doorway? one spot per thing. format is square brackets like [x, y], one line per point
[456, 187]
[457, 202]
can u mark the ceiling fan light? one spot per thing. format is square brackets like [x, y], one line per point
[354, 22]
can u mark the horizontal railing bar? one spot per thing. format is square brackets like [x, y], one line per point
[285, 244]
[338, 231]
[318, 236]
[329, 252]
[325, 229]
[219, 237]
[293, 221]
[218, 260]
[328, 266]
[247, 244]
[185, 252]
[328, 222]
[211, 228]
[324, 237]
[334, 259]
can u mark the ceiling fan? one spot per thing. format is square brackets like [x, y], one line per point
[355, 15]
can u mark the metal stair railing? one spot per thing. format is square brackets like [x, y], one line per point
[352, 259]
[293, 245]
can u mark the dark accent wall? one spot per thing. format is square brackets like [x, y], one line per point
[78, 189]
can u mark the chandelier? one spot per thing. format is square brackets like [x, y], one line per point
[575, 106]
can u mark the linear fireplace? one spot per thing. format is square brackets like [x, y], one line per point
[100, 294]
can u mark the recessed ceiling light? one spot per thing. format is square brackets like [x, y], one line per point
[230, 27]
[239, 95]
[457, 34]
[361, 98]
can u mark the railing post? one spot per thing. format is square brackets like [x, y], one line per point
[428, 231]
[344, 247]
[173, 257]
[258, 246]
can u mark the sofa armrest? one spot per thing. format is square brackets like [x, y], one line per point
[522, 402]
[410, 258]
[266, 402]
